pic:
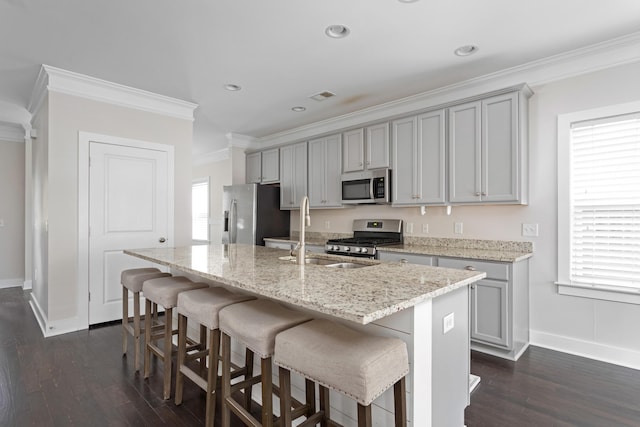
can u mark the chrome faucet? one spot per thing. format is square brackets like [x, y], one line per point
[305, 221]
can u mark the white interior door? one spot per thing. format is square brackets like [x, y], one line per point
[128, 208]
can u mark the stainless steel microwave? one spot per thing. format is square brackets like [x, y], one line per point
[371, 186]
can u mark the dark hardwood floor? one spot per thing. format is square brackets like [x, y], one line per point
[81, 379]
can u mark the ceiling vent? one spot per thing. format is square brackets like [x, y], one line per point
[321, 96]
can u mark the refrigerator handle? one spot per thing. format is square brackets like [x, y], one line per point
[226, 222]
[233, 214]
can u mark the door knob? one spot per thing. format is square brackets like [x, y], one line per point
[162, 240]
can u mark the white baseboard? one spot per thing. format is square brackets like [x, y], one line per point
[604, 353]
[11, 283]
[53, 328]
[27, 285]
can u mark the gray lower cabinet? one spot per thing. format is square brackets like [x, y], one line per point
[499, 306]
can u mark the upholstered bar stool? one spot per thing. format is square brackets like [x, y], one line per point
[132, 280]
[202, 306]
[358, 365]
[254, 324]
[163, 292]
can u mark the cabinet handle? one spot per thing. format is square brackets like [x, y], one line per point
[360, 164]
[477, 193]
[470, 268]
[483, 193]
[368, 162]
[473, 286]
[404, 261]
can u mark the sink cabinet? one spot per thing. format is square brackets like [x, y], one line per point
[418, 171]
[325, 164]
[366, 148]
[293, 175]
[263, 167]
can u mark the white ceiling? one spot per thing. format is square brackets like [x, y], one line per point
[278, 52]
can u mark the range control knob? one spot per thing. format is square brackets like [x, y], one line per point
[356, 249]
[346, 248]
[363, 250]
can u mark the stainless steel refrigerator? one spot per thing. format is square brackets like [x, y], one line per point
[251, 213]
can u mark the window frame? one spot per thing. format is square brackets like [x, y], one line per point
[564, 285]
[194, 182]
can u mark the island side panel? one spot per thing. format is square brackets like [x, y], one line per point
[450, 358]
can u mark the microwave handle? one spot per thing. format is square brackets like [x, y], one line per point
[371, 185]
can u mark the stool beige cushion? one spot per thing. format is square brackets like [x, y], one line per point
[359, 365]
[164, 291]
[256, 324]
[204, 305]
[133, 278]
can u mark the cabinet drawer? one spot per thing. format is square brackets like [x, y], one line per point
[494, 270]
[410, 258]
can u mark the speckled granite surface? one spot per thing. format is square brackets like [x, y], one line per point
[361, 295]
[487, 250]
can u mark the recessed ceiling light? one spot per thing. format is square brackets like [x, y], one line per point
[408, 1]
[231, 87]
[298, 109]
[466, 50]
[337, 31]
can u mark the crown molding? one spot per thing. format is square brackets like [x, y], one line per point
[211, 157]
[241, 141]
[51, 79]
[608, 54]
[10, 132]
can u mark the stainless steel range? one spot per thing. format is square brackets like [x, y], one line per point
[368, 234]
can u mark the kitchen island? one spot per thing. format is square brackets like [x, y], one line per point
[425, 306]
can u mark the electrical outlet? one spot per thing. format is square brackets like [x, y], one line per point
[410, 228]
[425, 228]
[457, 228]
[327, 225]
[448, 322]
[530, 230]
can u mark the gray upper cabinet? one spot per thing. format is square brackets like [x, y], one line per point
[366, 148]
[487, 150]
[293, 175]
[418, 172]
[263, 167]
[325, 165]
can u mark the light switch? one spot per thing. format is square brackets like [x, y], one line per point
[530, 230]
[458, 228]
[448, 322]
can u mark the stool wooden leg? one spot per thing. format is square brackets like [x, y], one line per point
[212, 376]
[226, 379]
[310, 394]
[285, 397]
[182, 351]
[125, 318]
[136, 330]
[168, 334]
[364, 415]
[147, 338]
[267, 392]
[325, 406]
[249, 373]
[400, 402]
[203, 344]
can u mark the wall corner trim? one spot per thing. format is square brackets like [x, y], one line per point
[51, 79]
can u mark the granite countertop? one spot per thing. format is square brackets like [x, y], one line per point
[361, 295]
[486, 250]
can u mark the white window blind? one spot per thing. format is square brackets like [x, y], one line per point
[200, 210]
[605, 202]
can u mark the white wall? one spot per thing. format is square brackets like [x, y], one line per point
[56, 186]
[219, 174]
[599, 329]
[12, 213]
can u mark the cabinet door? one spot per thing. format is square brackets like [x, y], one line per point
[500, 149]
[271, 166]
[353, 151]
[405, 161]
[377, 146]
[293, 175]
[317, 172]
[333, 167]
[489, 313]
[254, 168]
[464, 153]
[430, 154]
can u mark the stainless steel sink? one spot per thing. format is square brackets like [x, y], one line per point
[347, 265]
[327, 262]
